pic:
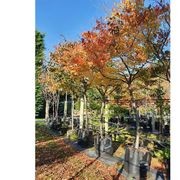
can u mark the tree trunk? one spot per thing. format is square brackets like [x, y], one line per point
[161, 121]
[101, 118]
[53, 109]
[146, 105]
[137, 134]
[134, 109]
[106, 113]
[65, 107]
[168, 74]
[47, 111]
[72, 112]
[153, 123]
[81, 112]
[85, 108]
[57, 107]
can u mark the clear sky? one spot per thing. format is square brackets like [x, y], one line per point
[68, 17]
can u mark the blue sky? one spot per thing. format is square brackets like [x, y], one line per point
[68, 17]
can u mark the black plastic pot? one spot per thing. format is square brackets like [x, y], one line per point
[63, 131]
[97, 145]
[85, 138]
[54, 125]
[143, 169]
[136, 162]
[103, 145]
[168, 169]
[106, 145]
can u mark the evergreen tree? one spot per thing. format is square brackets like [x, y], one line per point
[38, 69]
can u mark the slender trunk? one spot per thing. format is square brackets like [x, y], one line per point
[72, 111]
[106, 113]
[65, 107]
[81, 112]
[134, 109]
[146, 106]
[153, 123]
[168, 75]
[101, 118]
[47, 111]
[137, 132]
[161, 121]
[57, 106]
[53, 109]
[85, 108]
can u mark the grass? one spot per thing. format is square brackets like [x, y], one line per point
[42, 132]
[73, 137]
[39, 119]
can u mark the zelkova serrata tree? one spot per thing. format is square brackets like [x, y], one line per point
[50, 92]
[119, 46]
[105, 87]
[158, 39]
[72, 58]
[131, 53]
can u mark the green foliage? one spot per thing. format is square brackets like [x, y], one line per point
[64, 125]
[159, 94]
[159, 154]
[167, 153]
[126, 137]
[167, 108]
[39, 101]
[162, 154]
[117, 110]
[73, 136]
[94, 99]
[77, 105]
[95, 106]
[95, 122]
[152, 136]
[39, 53]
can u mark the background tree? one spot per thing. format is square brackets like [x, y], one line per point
[72, 58]
[118, 46]
[131, 24]
[39, 57]
[50, 93]
[105, 87]
[158, 39]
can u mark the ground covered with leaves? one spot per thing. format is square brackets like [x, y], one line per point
[56, 159]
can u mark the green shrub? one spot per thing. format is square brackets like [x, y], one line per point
[73, 136]
[162, 154]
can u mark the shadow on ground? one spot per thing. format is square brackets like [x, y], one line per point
[57, 150]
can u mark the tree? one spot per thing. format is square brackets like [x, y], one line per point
[96, 44]
[118, 49]
[105, 87]
[131, 25]
[158, 40]
[121, 46]
[71, 57]
[39, 55]
[50, 93]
